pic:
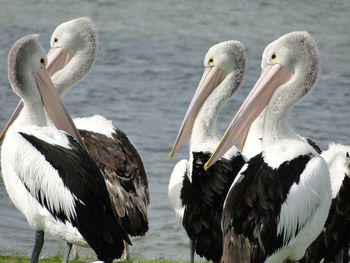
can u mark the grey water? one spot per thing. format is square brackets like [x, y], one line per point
[149, 64]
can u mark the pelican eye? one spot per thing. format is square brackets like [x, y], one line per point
[55, 40]
[273, 57]
[211, 61]
[42, 62]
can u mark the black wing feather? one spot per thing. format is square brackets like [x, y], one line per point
[203, 199]
[314, 145]
[95, 219]
[252, 208]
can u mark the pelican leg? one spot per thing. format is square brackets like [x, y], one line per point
[67, 252]
[346, 256]
[75, 252]
[38, 244]
[339, 257]
[193, 247]
[125, 256]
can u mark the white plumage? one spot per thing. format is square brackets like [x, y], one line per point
[24, 168]
[95, 123]
[338, 164]
[174, 189]
[305, 209]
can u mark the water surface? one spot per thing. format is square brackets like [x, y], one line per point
[150, 61]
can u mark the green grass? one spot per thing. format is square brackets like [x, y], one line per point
[19, 259]
[137, 260]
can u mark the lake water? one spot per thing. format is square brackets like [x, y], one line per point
[149, 64]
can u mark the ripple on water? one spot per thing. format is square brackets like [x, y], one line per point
[149, 64]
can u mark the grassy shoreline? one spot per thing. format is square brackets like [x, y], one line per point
[20, 259]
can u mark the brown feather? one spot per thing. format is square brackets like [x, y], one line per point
[235, 249]
[125, 177]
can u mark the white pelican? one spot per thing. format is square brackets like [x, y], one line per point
[197, 195]
[279, 202]
[332, 245]
[47, 174]
[73, 51]
[74, 46]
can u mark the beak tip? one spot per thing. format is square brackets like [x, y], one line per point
[207, 165]
[171, 155]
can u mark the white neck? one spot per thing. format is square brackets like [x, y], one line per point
[276, 117]
[32, 114]
[280, 143]
[253, 143]
[276, 126]
[73, 72]
[204, 132]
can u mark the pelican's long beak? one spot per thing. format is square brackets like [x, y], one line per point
[12, 119]
[53, 104]
[57, 58]
[271, 78]
[211, 78]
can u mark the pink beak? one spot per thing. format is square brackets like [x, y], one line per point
[271, 78]
[211, 78]
[53, 104]
[57, 58]
[13, 117]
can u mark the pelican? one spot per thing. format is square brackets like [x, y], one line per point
[74, 46]
[332, 245]
[73, 51]
[46, 172]
[197, 195]
[279, 201]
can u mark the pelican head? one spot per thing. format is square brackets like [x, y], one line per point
[294, 55]
[73, 52]
[21, 66]
[29, 80]
[289, 71]
[224, 66]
